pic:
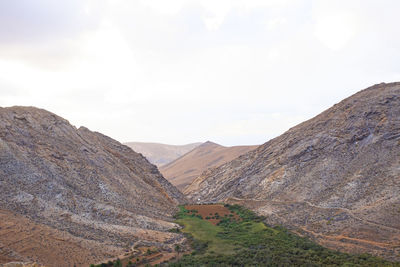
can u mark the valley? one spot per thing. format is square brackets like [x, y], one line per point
[231, 235]
[324, 193]
[176, 133]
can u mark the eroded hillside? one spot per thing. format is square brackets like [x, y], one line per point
[335, 177]
[80, 184]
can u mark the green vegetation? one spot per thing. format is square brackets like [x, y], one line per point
[151, 251]
[249, 242]
[116, 263]
[241, 238]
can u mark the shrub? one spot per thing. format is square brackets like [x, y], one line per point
[174, 230]
[253, 243]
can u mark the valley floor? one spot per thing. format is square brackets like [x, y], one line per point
[231, 235]
[240, 238]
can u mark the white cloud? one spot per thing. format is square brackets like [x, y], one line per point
[164, 7]
[336, 23]
[236, 72]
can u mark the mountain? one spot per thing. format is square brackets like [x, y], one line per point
[161, 154]
[182, 171]
[335, 177]
[75, 196]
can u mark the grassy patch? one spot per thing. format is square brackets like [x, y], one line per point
[249, 242]
[206, 232]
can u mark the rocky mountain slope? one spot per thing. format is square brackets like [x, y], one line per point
[335, 177]
[161, 154]
[182, 171]
[78, 186]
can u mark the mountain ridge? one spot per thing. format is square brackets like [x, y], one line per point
[80, 184]
[182, 171]
[161, 154]
[333, 177]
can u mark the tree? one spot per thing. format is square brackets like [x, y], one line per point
[177, 249]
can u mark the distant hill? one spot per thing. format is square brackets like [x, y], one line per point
[161, 154]
[185, 169]
[72, 196]
[335, 177]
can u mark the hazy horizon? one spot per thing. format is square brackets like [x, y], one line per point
[176, 72]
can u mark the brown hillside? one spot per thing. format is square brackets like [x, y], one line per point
[335, 177]
[161, 154]
[79, 184]
[185, 169]
[36, 242]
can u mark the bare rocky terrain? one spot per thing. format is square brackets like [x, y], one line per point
[161, 154]
[58, 182]
[182, 171]
[335, 177]
[23, 240]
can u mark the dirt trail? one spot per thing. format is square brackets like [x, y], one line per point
[341, 237]
[348, 211]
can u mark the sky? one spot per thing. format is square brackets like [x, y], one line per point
[234, 72]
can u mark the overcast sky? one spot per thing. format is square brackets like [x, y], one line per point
[180, 71]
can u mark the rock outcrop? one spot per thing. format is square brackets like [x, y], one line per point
[81, 183]
[335, 177]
